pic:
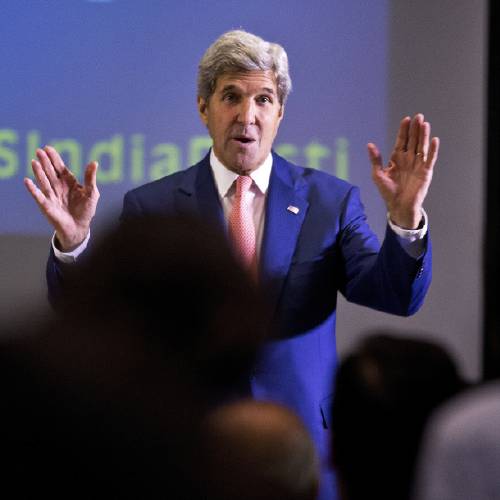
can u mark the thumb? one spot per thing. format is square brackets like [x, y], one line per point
[375, 156]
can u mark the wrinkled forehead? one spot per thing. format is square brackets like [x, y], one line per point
[255, 80]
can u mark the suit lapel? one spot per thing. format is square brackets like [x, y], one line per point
[286, 208]
[197, 195]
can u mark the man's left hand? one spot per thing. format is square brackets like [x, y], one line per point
[404, 182]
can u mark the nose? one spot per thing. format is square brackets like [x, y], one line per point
[246, 112]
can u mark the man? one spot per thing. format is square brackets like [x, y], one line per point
[301, 233]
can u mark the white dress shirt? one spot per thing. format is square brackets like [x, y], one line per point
[225, 182]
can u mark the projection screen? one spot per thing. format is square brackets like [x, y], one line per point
[115, 81]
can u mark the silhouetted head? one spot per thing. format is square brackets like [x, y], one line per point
[255, 449]
[175, 282]
[385, 391]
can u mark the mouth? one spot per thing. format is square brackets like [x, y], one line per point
[240, 139]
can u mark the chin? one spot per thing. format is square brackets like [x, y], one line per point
[244, 166]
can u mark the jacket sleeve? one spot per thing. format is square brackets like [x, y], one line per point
[54, 273]
[386, 279]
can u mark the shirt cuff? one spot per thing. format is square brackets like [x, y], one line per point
[69, 257]
[411, 239]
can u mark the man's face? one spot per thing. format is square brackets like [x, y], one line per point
[242, 116]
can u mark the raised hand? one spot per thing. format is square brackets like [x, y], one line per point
[68, 205]
[404, 182]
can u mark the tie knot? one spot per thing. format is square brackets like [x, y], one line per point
[243, 184]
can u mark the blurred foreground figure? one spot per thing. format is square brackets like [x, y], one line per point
[385, 391]
[460, 459]
[174, 281]
[95, 414]
[258, 450]
[107, 399]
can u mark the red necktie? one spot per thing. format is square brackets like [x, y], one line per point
[241, 225]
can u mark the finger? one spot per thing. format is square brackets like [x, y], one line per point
[90, 178]
[39, 197]
[55, 158]
[414, 133]
[48, 168]
[423, 140]
[402, 137]
[42, 179]
[433, 153]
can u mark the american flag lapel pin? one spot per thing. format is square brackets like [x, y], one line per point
[294, 210]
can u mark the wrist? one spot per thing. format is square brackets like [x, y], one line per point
[68, 244]
[407, 220]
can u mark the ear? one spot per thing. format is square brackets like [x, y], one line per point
[202, 109]
[281, 112]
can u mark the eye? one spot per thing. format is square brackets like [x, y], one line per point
[229, 97]
[264, 99]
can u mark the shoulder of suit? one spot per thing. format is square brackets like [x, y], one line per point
[312, 176]
[169, 182]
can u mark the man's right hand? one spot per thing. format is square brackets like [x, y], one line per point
[68, 205]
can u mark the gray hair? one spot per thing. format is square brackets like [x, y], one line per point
[237, 51]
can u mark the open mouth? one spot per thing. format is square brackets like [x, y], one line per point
[243, 140]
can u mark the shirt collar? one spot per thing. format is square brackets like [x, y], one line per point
[224, 178]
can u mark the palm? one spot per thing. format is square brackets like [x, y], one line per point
[68, 205]
[73, 205]
[404, 182]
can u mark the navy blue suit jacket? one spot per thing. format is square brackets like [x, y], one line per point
[306, 258]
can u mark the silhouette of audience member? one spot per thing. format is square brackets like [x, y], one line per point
[385, 391]
[156, 326]
[460, 457]
[95, 414]
[175, 281]
[255, 450]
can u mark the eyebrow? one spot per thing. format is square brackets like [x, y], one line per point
[235, 87]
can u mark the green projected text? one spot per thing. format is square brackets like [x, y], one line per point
[127, 158]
